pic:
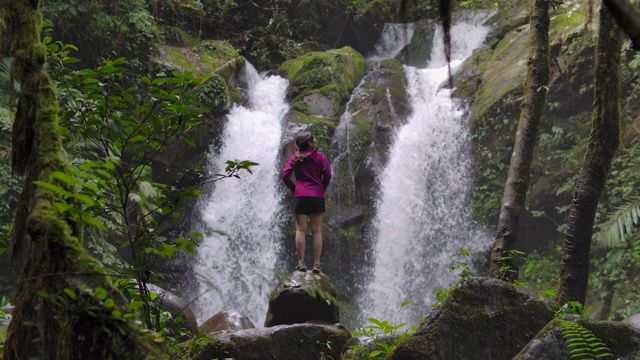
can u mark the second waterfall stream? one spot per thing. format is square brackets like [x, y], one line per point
[423, 211]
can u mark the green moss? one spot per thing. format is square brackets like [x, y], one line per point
[391, 64]
[209, 57]
[572, 20]
[217, 48]
[323, 130]
[333, 73]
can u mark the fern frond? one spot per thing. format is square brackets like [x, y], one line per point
[580, 341]
[9, 87]
[619, 223]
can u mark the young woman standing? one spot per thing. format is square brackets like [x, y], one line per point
[313, 173]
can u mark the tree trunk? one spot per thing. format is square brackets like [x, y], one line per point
[65, 306]
[602, 146]
[627, 17]
[515, 190]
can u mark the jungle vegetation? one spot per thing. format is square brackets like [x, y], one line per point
[88, 184]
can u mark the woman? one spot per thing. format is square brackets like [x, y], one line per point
[313, 174]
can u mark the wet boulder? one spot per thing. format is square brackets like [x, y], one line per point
[310, 341]
[303, 296]
[594, 339]
[483, 318]
[226, 320]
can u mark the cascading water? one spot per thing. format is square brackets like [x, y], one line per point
[242, 216]
[393, 39]
[423, 213]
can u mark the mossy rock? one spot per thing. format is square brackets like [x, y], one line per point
[483, 318]
[207, 58]
[616, 338]
[283, 342]
[303, 296]
[321, 82]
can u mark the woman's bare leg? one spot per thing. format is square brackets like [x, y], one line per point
[301, 232]
[316, 234]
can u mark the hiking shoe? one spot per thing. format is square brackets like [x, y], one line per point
[317, 269]
[301, 267]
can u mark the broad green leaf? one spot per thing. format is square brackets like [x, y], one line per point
[101, 293]
[70, 293]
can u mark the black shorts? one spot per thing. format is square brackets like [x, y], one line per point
[308, 205]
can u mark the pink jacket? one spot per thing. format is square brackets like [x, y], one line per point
[312, 174]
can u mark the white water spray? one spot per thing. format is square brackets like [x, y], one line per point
[393, 39]
[423, 212]
[237, 257]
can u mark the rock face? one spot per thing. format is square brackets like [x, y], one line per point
[284, 342]
[226, 320]
[302, 297]
[483, 318]
[621, 340]
[320, 83]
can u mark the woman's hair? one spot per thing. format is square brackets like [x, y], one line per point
[302, 144]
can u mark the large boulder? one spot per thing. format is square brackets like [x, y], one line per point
[226, 320]
[555, 342]
[483, 318]
[207, 58]
[320, 83]
[302, 297]
[283, 342]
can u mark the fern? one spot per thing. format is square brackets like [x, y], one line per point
[619, 223]
[581, 342]
[9, 87]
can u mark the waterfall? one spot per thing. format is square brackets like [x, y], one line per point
[242, 217]
[423, 213]
[393, 38]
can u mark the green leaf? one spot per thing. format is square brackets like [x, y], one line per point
[189, 141]
[101, 293]
[109, 303]
[70, 293]
[136, 304]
